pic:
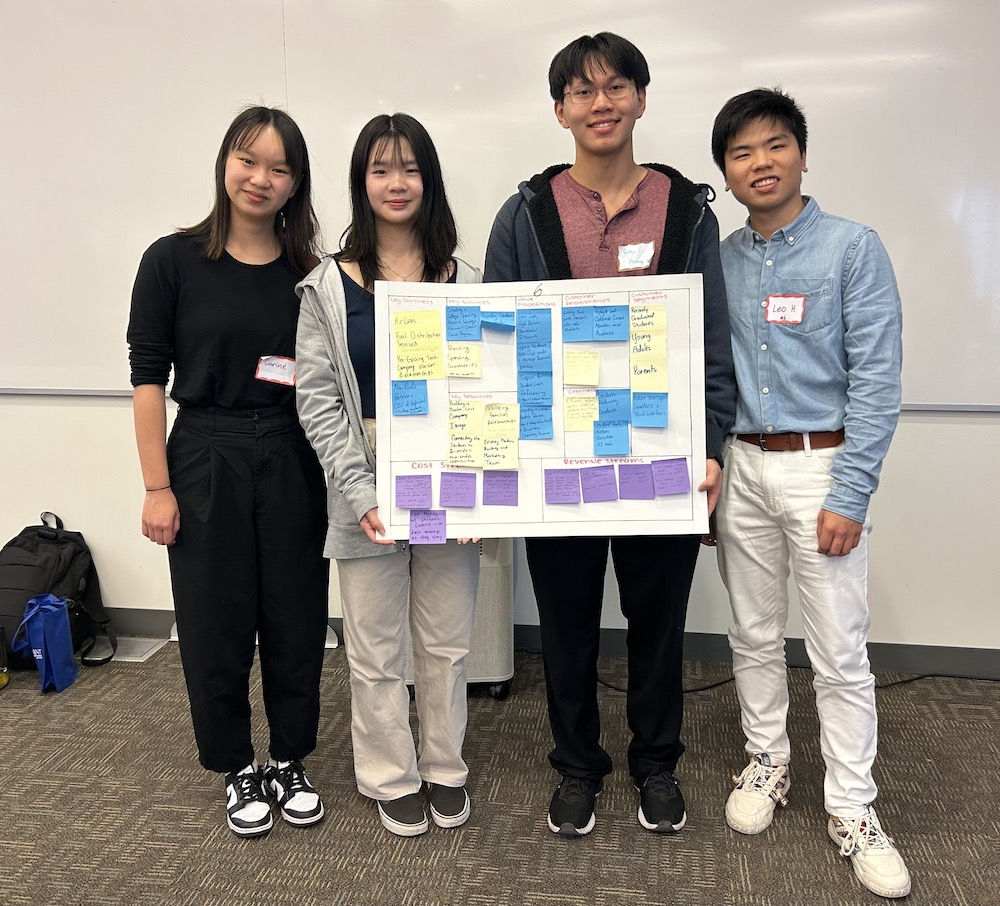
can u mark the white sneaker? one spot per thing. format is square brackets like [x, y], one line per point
[876, 861]
[760, 788]
[248, 813]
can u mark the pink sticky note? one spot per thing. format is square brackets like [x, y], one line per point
[458, 489]
[670, 476]
[413, 492]
[500, 488]
[562, 485]
[598, 484]
[427, 526]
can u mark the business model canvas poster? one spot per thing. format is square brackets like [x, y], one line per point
[567, 407]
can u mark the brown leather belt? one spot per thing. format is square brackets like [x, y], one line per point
[791, 442]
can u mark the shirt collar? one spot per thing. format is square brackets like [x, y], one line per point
[792, 231]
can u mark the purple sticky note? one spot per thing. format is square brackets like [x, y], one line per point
[670, 476]
[562, 485]
[458, 489]
[598, 483]
[635, 481]
[500, 488]
[427, 526]
[413, 492]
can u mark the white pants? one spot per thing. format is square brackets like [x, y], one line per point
[766, 519]
[434, 587]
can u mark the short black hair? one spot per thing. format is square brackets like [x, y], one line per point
[770, 104]
[605, 51]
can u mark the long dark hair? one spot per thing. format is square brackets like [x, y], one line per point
[435, 225]
[295, 226]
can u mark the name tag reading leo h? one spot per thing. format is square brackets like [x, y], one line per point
[277, 369]
[786, 309]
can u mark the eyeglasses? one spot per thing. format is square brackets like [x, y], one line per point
[615, 90]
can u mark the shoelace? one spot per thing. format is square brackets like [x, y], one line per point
[293, 779]
[661, 785]
[863, 832]
[760, 778]
[248, 788]
[574, 789]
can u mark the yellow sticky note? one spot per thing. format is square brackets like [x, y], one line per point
[580, 412]
[581, 367]
[500, 453]
[465, 416]
[648, 317]
[465, 450]
[418, 345]
[649, 374]
[465, 360]
[503, 420]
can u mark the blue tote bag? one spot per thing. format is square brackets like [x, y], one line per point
[47, 637]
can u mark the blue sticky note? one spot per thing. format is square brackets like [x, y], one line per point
[497, 320]
[614, 405]
[534, 357]
[577, 323]
[649, 410]
[611, 322]
[534, 388]
[534, 325]
[409, 397]
[462, 322]
[536, 422]
[611, 439]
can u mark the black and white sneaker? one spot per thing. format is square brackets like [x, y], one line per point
[571, 811]
[661, 805]
[248, 813]
[449, 805]
[297, 799]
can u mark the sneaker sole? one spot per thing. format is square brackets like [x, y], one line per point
[249, 832]
[890, 893]
[303, 820]
[568, 829]
[452, 820]
[664, 827]
[400, 829]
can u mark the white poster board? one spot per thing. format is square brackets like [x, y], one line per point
[568, 407]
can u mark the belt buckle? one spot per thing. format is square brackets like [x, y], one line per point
[762, 442]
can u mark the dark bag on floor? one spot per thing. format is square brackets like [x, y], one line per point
[44, 636]
[48, 559]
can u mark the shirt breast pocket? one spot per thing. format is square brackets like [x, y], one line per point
[821, 307]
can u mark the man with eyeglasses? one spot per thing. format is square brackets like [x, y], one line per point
[607, 216]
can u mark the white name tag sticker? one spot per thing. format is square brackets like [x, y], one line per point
[786, 309]
[635, 257]
[277, 369]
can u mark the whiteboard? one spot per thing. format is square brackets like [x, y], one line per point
[599, 401]
[113, 113]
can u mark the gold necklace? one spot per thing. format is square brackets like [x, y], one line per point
[398, 274]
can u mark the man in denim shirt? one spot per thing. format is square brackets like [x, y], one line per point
[816, 327]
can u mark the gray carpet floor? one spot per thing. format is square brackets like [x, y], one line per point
[102, 802]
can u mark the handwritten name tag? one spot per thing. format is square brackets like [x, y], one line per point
[785, 309]
[277, 369]
[635, 257]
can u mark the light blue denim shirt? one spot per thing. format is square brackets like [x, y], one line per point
[840, 366]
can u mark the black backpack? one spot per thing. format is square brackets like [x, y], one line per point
[48, 559]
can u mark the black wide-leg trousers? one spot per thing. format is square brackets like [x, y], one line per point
[248, 563]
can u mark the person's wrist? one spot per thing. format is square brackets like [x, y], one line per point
[166, 487]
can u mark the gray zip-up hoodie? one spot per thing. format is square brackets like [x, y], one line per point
[329, 405]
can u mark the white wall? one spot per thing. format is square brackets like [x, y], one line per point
[933, 550]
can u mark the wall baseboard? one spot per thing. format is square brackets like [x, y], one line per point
[975, 663]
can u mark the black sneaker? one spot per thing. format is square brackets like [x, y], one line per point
[297, 800]
[571, 811]
[450, 806]
[405, 816]
[248, 812]
[661, 805]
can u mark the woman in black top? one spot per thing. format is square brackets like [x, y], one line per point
[236, 493]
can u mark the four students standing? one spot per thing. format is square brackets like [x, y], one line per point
[237, 495]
